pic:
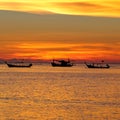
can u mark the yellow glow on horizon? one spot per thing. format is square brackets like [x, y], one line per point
[108, 8]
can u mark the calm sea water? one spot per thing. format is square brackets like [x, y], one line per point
[43, 92]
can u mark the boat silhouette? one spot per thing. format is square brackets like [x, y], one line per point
[21, 65]
[97, 65]
[61, 63]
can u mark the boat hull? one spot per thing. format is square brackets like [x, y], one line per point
[20, 66]
[101, 67]
[59, 65]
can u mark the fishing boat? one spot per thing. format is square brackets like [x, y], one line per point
[97, 65]
[21, 65]
[61, 63]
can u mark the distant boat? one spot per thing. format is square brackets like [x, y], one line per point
[61, 63]
[97, 65]
[21, 65]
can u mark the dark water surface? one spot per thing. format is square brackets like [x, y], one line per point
[43, 92]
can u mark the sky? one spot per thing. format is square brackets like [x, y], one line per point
[75, 29]
[76, 7]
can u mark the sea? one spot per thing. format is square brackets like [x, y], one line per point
[43, 92]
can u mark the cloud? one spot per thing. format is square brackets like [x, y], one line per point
[24, 6]
[96, 8]
[80, 6]
[75, 51]
[107, 47]
[88, 8]
[15, 5]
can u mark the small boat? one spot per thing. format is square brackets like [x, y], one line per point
[97, 65]
[61, 63]
[21, 65]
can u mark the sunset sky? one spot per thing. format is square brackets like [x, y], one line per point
[47, 29]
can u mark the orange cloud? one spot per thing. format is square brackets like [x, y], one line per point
[74, 51]
[15, 4]
[18, 6]
[24, 6]
[80, 6]
[89, 8]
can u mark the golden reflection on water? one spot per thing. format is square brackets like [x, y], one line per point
[46, 93]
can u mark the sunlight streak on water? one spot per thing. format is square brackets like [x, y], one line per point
[43, 92]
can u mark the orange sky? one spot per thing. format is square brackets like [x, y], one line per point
[54, 31]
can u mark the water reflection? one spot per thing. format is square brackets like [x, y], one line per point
[46, 93]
